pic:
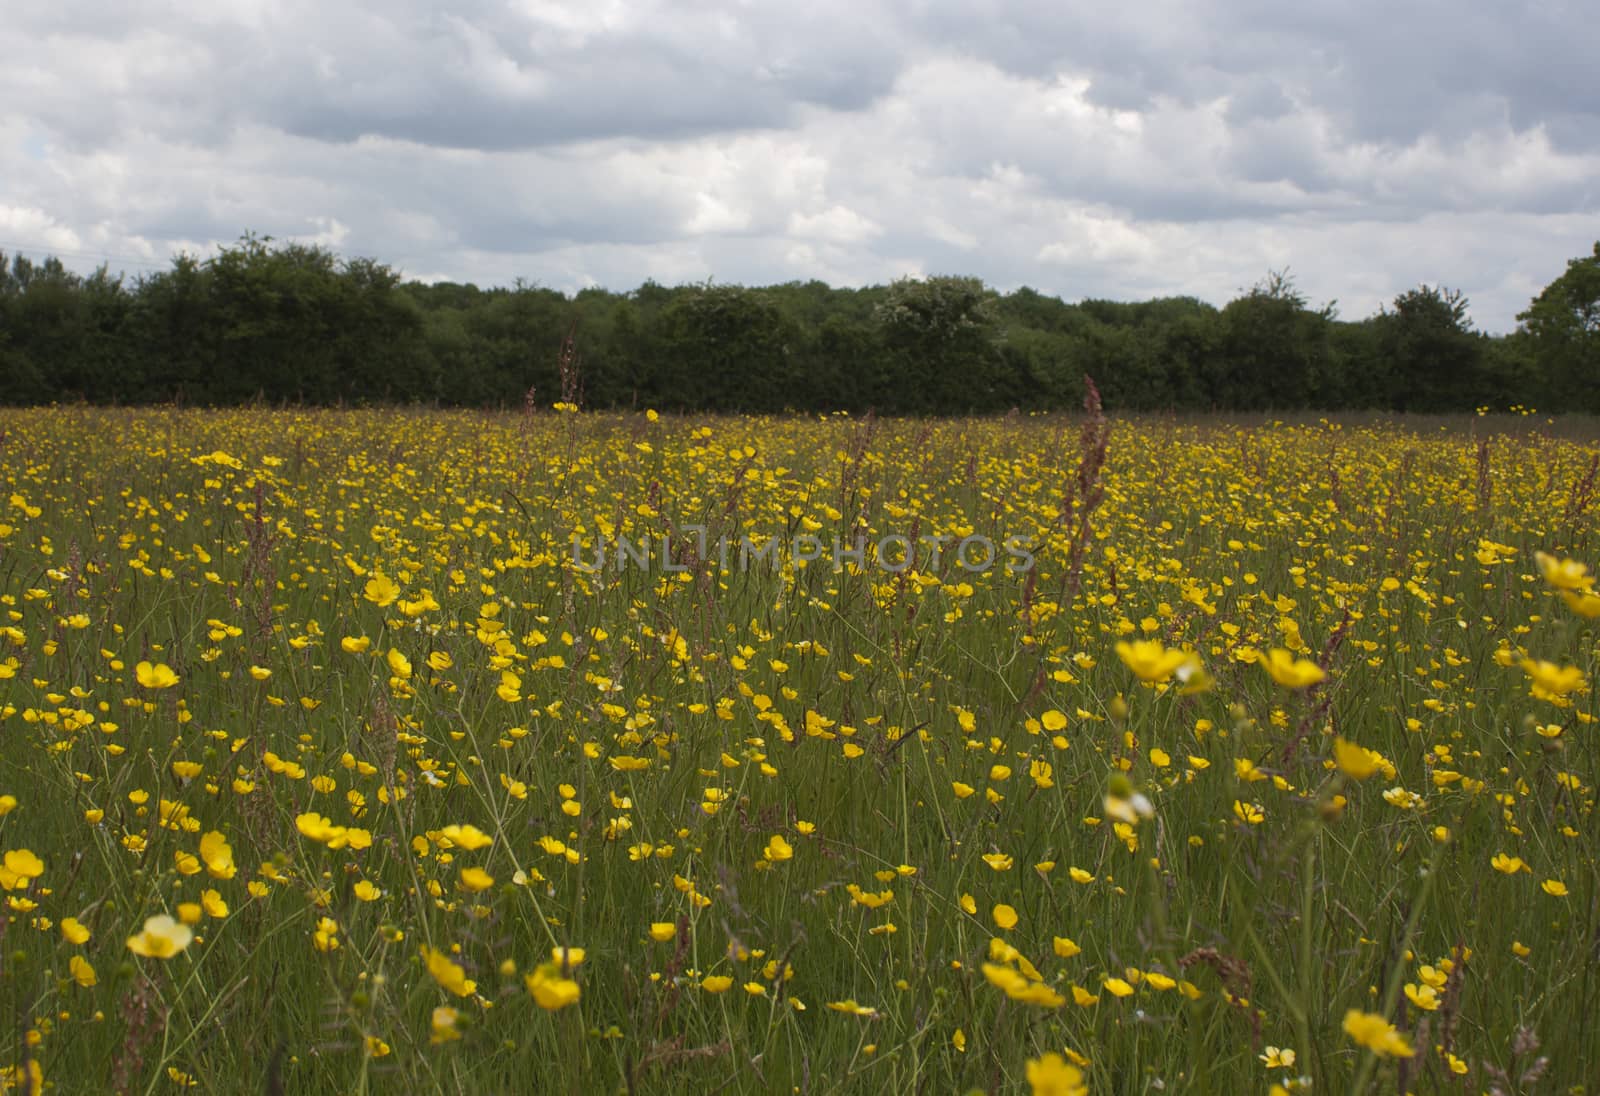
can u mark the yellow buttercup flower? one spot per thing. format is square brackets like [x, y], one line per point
[442, 1025]
[1550, 681]
[1053, 1075]
[852, 1008]
[1424, 997]
[213, 903]
[467, 837]
[18, 868]
[1585, 603]
[475, 879]
[1291, 672]
[217, 855]
[1354, 761]
[323, 831]
[448, 973]
[1564, 574]
[161, 938]
[550, 988]
[1278, 1058]
[1149, 660]
[1376, 1034]
[155, 675]
[381, 590]
[399, 664]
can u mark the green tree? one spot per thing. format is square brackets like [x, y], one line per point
[273, 322]
[1563, 328]
[726, 348]
[175, 329]
[1274, 351]
[23, 380]
[378, 351]
[47, 325]
[516, 344]
[287, 322]
[1435, 361]
[941, 335]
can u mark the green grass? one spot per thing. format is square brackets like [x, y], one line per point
[122, 540]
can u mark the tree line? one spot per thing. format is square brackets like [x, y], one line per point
[290, 323]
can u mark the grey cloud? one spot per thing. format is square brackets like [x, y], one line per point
[480, 76]
[1092, 151]
[1258, 99]
[1388, 71]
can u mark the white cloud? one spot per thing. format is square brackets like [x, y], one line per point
[1115, 153]
[837, 224]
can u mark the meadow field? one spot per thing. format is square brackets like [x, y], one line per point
[1251, 758]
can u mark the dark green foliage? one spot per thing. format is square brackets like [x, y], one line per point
[1563, 334]
[288, 323]
[1435, 360]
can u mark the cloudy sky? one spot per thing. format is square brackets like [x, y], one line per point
[1123, 151]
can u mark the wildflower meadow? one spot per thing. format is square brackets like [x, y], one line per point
[338, 755]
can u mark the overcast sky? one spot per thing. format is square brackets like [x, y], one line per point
[1125, 150]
